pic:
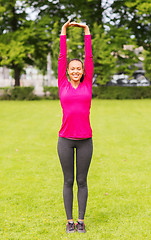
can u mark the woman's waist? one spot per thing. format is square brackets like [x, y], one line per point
[76, 111]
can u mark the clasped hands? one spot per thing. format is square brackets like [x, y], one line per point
[74, 24]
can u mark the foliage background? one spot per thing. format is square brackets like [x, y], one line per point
[30, 29]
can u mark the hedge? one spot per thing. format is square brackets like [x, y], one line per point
[100, 92]
[17, 93]
[51, 92]
[107, 92]
[118, 92]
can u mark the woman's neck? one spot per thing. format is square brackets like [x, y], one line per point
[75, 84]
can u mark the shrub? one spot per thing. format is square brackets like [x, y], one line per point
[22, 93]
[18, 93]
[5, 93]
[118, 92]
[51, 92]
[101, 92]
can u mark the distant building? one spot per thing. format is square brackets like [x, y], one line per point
[5, 77]
[31, 77]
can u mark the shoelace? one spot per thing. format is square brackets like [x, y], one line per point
[80, 225]
[71, 225]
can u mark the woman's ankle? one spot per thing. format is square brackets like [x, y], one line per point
[80, 220]
[69, 220]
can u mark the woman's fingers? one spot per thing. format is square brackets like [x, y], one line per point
[75, 24]
[67, 23]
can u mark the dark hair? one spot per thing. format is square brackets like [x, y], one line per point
[77, 59]
[82, 78]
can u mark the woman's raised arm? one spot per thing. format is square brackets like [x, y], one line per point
[62, 62]
[88, 52]
[65, 26]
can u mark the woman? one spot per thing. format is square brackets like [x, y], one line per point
[75, 132]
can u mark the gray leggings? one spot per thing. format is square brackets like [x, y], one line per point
[84, 149]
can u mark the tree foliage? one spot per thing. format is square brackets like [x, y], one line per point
[21, 41]
[25, 41]
[104, 61]
[89, 11]
[147, 64]
[55, 48]
[137, 16]
[123, 49]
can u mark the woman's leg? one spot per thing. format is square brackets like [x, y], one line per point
[66, 155]
[84, 149]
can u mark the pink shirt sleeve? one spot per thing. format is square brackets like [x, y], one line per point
[88, 59]
[62, 62]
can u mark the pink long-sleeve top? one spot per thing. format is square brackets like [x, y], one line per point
[75, 103]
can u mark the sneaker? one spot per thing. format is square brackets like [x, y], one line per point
[81, 227]
[70, 227]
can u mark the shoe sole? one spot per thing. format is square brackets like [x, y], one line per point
[81, 231]
[70, 231]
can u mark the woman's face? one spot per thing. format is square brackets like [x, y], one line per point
[75, 70]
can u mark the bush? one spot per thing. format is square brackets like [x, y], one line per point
[22, 93]
[18, 93]
[118, 92]
[101, 92]
[5, 93]
[51, 92]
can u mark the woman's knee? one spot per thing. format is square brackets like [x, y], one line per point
[81, 182]
[69, 182]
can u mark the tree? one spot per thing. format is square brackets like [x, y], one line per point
[108, 49]
[136, 15]
[104, 61]
[87, 10]
[75, 43]
[123, 49]
[12, 17]
[55, 48]
[147, 64]
[21, 41]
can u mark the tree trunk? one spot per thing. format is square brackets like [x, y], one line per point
[17, 73]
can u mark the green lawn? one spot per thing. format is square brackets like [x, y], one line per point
[119, 203]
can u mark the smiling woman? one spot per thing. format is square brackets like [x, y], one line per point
[75, 71]
[75, 132]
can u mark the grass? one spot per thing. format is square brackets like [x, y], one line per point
[119, 203]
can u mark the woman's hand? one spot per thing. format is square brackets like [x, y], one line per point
[76, 24]
[67, 24]
[64, 27]
[82, 25]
